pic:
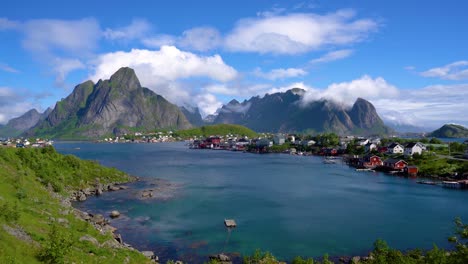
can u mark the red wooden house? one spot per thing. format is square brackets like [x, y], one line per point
[411, 170]
[395, 164]
[371, 161]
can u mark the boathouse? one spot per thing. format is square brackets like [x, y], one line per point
[395, 164]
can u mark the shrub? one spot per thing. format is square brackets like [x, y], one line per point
[56, 246]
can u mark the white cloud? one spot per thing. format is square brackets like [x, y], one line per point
[159, 40]
[298, 32]
[137, 29]
[365, 87]
[63, 67]
[280, 73]
[333, 56]
[46, 36]
[271, 12]
[6, 68]
[220, 89]
[454, 71]
[200, 38]
[12, 104]
[207, 103]
[309, 89]
[7, 24]
[162, 70]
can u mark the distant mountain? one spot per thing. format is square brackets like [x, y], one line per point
[450, 131]
[285, 112]
[113, 106]
[18, 125]
[406, 128]
[193, 115]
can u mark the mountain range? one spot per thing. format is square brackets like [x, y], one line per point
[120, 105]
[286, 112]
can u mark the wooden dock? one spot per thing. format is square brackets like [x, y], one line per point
[230, 223]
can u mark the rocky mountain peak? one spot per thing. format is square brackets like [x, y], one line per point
[126, 78]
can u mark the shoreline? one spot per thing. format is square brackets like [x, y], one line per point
[99, 221]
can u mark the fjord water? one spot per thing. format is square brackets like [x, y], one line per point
[288, 205]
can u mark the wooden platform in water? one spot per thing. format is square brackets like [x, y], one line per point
[230, 223]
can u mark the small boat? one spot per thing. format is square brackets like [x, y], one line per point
[426, 182]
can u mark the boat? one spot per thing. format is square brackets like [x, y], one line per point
[426, 182]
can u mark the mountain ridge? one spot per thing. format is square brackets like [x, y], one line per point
[113, 106]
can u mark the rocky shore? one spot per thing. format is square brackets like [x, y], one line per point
[98, 221]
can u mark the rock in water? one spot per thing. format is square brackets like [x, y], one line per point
[115, 214]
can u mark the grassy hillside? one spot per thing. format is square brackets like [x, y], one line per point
[220, 130]
[450, 131]
[35, 226]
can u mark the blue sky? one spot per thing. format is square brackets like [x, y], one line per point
[409, 58]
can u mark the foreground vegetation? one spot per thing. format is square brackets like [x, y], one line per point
[383, 254]
[35, 225]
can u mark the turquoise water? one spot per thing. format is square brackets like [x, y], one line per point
[288, 205]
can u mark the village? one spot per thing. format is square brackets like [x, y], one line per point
[364, 154]
[25, 142]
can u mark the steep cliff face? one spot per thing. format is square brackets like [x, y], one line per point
[193, 116]
[111, 106]
[284, 112]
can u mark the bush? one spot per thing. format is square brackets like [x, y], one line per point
[9, 213]
[56, 246]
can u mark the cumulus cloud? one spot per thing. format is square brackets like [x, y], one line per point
[137, 29]
[333, 56]
[280, 73]
[454, 71]
[298, 32]
[161, 70]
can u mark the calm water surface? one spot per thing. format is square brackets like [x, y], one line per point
[288, 205]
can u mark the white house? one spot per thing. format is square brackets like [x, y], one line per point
[279, 139]
[363, 142]
[412, 148]
[369, 147]
[307, 143]
[395, 148]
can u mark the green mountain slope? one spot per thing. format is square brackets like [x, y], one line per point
[450, 131]
[213, 130]
[36, 226]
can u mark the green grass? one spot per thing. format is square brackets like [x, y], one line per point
[216, 130]
[27, 204]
